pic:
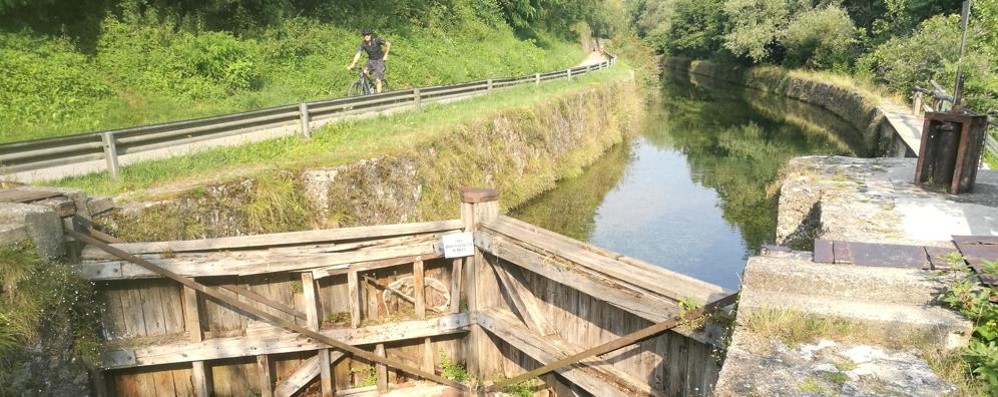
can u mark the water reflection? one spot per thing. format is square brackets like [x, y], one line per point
[691, 193]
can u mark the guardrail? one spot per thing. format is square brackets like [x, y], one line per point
[942, 101]
[33, 155]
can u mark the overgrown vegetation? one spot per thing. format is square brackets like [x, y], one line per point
[73, 66]
[45, 310]
[897, 43]
[975, 302]
[453, 370]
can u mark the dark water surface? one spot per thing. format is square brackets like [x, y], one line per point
[690, 194]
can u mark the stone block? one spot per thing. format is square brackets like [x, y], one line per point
[42, 226]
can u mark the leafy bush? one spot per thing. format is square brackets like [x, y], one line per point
[974, 302]
[820, 39]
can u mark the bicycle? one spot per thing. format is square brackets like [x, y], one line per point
[364, 86]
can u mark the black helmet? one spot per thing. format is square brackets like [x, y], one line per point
[366, 31]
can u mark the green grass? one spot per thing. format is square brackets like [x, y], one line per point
[333, 144]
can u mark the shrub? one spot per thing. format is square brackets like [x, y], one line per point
[820, 39]
[974, 302]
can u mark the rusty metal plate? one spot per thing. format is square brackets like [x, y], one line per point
[887, 255]
[823, 251]
[939, 257]
[976, 250]
[25, 196]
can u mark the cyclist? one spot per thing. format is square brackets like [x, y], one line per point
[375, 57]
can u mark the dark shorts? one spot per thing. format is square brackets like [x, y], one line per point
[377, 67]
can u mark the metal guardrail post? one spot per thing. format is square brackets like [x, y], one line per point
[569, 74]
[110, 154]
[303, 116]
[490, 84]
[537, 79]
[417, 98]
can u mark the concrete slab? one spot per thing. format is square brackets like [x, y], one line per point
[41, 224]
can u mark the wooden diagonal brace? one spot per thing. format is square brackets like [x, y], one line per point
[273, 319]
[618, 343]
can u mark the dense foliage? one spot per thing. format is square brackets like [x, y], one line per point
[72, 66]
[975, 302]
[897, 43]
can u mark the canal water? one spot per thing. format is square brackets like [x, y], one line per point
[694, 193]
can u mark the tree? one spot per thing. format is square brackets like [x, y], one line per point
[820, 39]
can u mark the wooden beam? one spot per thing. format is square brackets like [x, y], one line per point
[265, 300]
[370, 280]
[374, 265]
[265, 377]
[646, 305]
[652, 278]
[304, 374]
[310, 290]
[276, 320]
[418, 290]
[523, 299]
[353, 293]
[237, 264]
[381, 372]
[621, 342]
[427, 362]
[274, 341]
[456, 274]
[292, 238]
[200, 377]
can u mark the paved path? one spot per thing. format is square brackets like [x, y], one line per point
[908, 125]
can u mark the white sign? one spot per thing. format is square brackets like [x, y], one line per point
[458, 245]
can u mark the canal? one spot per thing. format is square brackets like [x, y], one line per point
[695, 192]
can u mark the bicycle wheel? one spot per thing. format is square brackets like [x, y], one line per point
[355, 88]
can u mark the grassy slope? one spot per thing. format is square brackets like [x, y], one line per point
[331, 145]
[148, 70]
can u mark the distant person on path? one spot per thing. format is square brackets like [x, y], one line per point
[375, 57]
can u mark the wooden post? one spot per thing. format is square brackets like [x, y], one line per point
[110, 153]
[569, 74]
[537, 79]
[381, 371]
[455, 285]
[477, 206]
[192, 322]
[427, 362]
[490, 84]
[312, 312]
[266, 380]
[353, 293]
[418, 98]
[419, 289]
[303, 116]
[916, 105]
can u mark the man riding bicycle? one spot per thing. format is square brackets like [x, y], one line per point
[375, 57]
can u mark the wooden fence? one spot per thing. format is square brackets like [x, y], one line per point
[526, 298]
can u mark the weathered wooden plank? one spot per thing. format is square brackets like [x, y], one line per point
[264, 376]
[381, 372]
[131, 306]
[353, 289]
[655, 279]
[266, 301]
[262, 314]
[427, 359]
[309, 289]
[304, 374]
[152, 308]
[232, 264]
[273, 341]
[646, 305]
[173, 315]
[523, 300]
[27, 196]
[373, 265]
[456, 275]
[538, 347]
[200, 376]
[279, 239]
[622, 341]
[192, 324]
[419, 289]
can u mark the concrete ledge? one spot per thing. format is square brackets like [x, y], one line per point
[42, 226]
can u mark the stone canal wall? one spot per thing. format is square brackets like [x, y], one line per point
[521, 151]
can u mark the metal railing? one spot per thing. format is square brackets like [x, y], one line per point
[108, 145]
[940, 101]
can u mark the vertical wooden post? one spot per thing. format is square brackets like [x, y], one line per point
[353, 293]
[419, 289]
[537, 79]
[427, 363]
[312, 315]
[418, 98]
[457, 270]
[110, 153]
[192, 322]
[381, 371]
[266, 380]
[478, 206]
[305, 119]
[916, 105]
